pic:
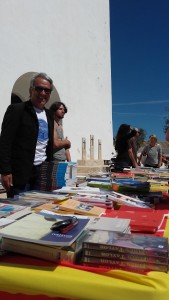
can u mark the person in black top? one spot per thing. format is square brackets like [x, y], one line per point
[125, 157]
[27, 138]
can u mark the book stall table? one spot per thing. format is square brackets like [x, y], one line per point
[24, 278]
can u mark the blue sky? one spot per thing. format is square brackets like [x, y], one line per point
[140, 64]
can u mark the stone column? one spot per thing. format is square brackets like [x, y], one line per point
[99, 150]
[91, 147]
[83, 149]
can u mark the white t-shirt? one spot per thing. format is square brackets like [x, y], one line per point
[40, 153]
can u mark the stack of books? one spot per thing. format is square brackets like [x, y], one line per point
[128, 175]
[102, 184]
[48, 173]
[33, 236]
[130, 185]
[130, 252]
[66, 174]
[55, 175]
[100, 200]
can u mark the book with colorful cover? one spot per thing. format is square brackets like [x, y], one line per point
[94, 199]
[82, 208]
[115, 256]
[142, 221]
[36, 228]
[122, 175]
[127, 243]
[10, 208]
[125, 264]
[100, 184]
[130, 185]
[127, 200]
[25, 201]
[47, 206]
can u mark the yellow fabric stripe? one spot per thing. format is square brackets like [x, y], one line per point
[72, 283]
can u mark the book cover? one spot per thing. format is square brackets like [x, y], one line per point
[45, 252]
[127, 243]
[126, 256]
[75, 190]
[100, 184]
[125, 265]
[94, 199]
[143, 221]
[47, 206]
[81, 208]
[36, 228]
[43, 196]
[10, 208]
[103, 223]
[127, 200]
[25, 201]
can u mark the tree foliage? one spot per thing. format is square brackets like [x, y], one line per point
[141, 138]
[166, 122]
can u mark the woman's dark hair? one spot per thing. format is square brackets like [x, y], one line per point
[56, 105]
[124, 129]
[123, 134]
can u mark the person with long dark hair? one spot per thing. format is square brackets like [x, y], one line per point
[61, 152]
[125, 157]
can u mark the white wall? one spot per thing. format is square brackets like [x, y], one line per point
[70, 41]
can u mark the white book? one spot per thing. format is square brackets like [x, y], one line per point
[75, 190]
[36, 228]
[130, 201]
[113, 224]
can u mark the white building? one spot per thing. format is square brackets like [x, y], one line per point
[70, 41]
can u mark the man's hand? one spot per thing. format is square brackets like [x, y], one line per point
[67, 143]
[6, 181]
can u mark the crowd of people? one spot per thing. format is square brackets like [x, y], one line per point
[126, 147]
[30, 135]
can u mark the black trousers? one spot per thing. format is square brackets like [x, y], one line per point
[32, 184]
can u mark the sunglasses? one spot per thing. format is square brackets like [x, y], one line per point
[40, 89]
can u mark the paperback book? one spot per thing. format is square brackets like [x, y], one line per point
[36, 228]
[148, 221]
[127, 243]
[78, 207]
[125, 264]
[127, 200]
[45, 252]
[94, 199]
[75, 190]
[115, 224]
[116, 256]
[9, 209]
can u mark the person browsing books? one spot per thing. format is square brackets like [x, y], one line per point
[27, 138]
[125, 156]
[153, 153]
[61, 152]
[134, 144]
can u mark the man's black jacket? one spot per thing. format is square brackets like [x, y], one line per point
[18, 141]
